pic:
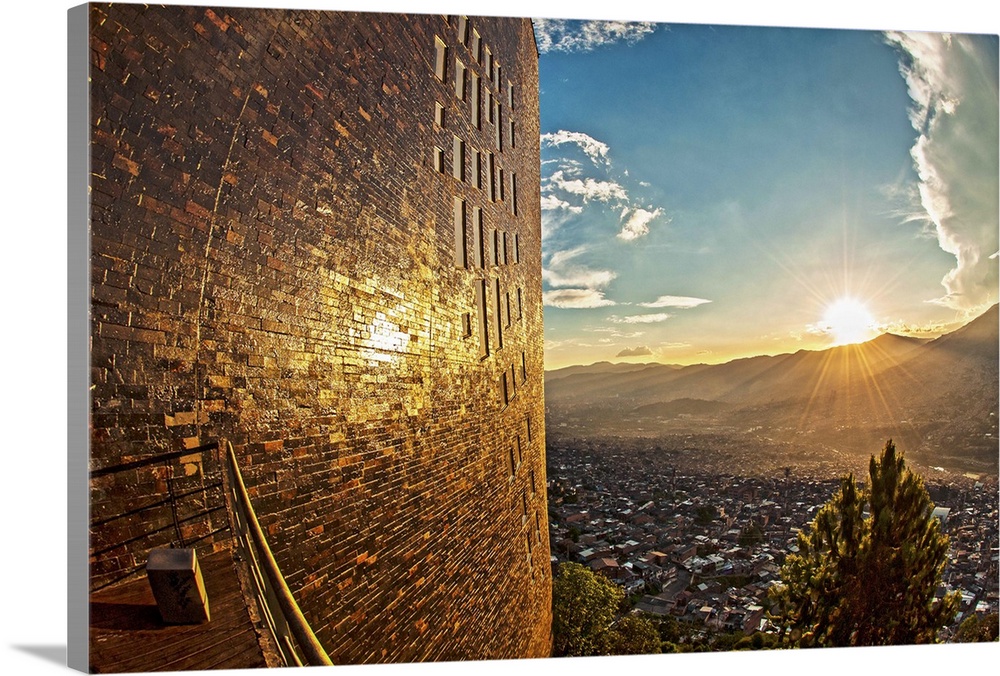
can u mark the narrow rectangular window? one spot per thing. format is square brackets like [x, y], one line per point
[500, 182]
[524, 509]
[459, 80]
[511, 467]
[440, 58]
[505, 259]
[505, 399]
[496, 247]
[520, 300]
[474, 100]
[458, 159]
[477, 238]
[507, 311]
[488, 61]
[513, 209]
[498, 128]
[438, 114]
[520, 457]
[497, 77]
[484, 338]
[538, 528]
[491, 177]
[476, 46]
[477, 166]
[489, 107]
[496, 316]
[460, 247]
[438, 159]
[510, 135]
[517, 248]
[524, 368]
[528, 423]
[510, 94]
[513, 381]
[466, 325]
[463, 30]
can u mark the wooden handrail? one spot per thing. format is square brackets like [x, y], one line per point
[312, 651]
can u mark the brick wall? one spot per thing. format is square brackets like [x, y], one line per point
[285, 248]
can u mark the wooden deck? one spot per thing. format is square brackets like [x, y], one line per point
[127, 634]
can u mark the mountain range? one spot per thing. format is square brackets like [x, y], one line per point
[937, 398]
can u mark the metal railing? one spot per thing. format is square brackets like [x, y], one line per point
[295, 639]
[192, 500]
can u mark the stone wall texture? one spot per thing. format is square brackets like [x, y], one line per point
[316, 235]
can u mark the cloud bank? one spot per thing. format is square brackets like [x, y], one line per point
[561, 35]
[952, 82]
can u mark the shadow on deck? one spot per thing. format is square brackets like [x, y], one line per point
[127, 634]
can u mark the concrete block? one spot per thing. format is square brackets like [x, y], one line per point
[178, 586]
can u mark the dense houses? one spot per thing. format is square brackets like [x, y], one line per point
[705, 546]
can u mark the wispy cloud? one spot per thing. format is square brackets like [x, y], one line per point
[636, 223]
[561, 35]
[580, 179]
[576, 284]
[641, 351]
[587, 188]
[683, 302]
[642, 319]
[952, 83]
[553, 203]
[596, 150]
[575, 298]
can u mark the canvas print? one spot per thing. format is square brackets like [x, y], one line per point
[419, 337]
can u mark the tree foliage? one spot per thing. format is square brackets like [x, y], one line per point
[584, 607]
[975, 629]
[868, 579]
[633, 636]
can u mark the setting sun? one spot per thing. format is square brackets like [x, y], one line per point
[848, 321]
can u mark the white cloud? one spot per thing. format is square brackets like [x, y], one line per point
[591, 147]
[637, 224]
[684, 302]
[588, 188]
[955, 113]
[560, 35]
[577, 286]
[578, 276]
[642, 319]
[553, 203]
[575, 298]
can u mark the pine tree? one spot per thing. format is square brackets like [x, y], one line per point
[868, 579]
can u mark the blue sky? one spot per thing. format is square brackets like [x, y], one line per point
[709, 192]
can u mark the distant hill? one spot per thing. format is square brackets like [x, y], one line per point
[938, 397]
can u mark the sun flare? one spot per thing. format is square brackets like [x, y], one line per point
[848, 321]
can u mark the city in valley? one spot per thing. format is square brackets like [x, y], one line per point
[696, 530]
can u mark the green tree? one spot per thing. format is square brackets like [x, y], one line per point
[975, 629]
[633, 635]
[868, 580]
[583, 608]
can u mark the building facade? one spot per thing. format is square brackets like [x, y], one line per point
[316, 235]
